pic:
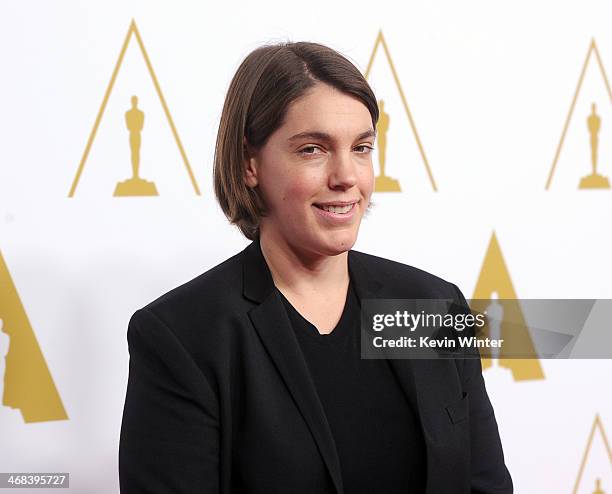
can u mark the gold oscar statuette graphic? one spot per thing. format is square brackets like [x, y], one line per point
[594, 180]
[597, 426]
[598, 489]
[28, 385]
[383, 182]
[135, 186]
[495, 294]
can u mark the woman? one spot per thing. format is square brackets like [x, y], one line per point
[248, 379]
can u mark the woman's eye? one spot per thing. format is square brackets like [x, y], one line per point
[310, 150]
[364, 149]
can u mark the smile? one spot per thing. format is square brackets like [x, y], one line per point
[337, 209]
[337, 214]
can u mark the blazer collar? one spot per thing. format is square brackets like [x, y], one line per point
[258, 282]
[427, 384]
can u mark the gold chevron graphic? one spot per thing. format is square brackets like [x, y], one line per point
[28, 384]
[495, 278]
[380, 41]
[592, 50]
[596, 425]
[133, 30]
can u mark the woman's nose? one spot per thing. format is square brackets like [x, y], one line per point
[342, 171]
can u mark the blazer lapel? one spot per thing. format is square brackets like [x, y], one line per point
[274, 328]
[426, 384]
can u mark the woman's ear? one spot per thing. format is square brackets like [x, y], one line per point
[250, 165]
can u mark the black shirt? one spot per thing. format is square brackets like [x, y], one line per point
[377, 434]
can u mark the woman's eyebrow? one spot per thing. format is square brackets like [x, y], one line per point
[324, 136]
[316, 135]
[367, 133]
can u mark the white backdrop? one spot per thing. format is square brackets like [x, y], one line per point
[489, 87]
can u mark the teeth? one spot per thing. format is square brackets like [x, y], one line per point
[338, 209]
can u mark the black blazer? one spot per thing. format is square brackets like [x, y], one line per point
[219, 397]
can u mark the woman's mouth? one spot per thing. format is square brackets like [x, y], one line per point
[336, 213]
[339, 209]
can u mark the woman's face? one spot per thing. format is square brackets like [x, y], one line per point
[315, 173]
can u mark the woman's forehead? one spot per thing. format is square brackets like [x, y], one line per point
[326, 110]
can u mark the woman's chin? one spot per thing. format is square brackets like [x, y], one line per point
[338, 242]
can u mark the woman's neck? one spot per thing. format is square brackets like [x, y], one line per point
[301, 273]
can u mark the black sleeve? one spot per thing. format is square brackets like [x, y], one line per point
[489, 474]
[170, 429]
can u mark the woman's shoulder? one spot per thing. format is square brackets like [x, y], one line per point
[193, 322]
[214, 294]
[215, 283]
[404, 280]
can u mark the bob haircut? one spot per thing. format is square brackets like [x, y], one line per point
[265, 84]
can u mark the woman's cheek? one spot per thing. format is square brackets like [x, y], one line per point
[367, 181]
[303, 187]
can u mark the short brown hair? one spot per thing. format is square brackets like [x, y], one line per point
[267, 81]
